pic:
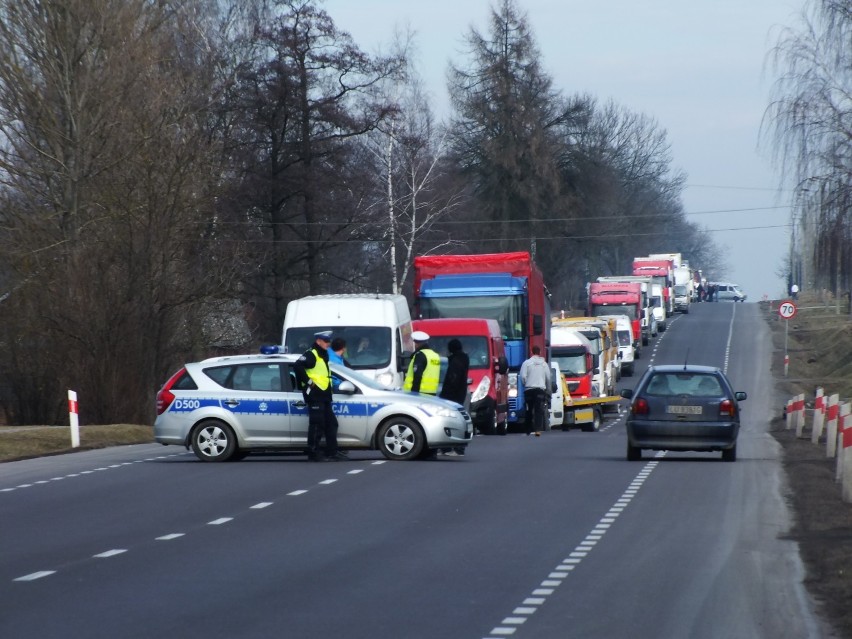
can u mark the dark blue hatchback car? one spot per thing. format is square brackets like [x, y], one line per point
[683, 407]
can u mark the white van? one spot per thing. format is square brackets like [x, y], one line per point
[626, 350]
[376, 327]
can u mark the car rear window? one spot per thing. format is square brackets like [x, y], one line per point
[685, 383]
[250, 377]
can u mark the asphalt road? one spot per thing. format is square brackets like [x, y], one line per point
[552, 536]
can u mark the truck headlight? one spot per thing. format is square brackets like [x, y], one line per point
[513, 384]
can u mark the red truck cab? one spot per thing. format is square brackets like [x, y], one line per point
[489, 369]
[622, 298]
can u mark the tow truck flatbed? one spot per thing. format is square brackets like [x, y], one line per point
[587, 413]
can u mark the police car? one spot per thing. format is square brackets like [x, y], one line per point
[226, 407]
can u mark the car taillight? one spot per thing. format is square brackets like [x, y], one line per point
[640, 406]
[165, 397]
[727, 408]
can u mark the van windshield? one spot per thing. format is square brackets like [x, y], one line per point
[367, 347]
[624, 338]
[475, 346]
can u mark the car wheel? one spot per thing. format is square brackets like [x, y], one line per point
[730, 454]
[213, 441]
[401, 438]
[633, 453]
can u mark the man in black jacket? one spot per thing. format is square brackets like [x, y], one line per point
[455, 381]
[314, 378]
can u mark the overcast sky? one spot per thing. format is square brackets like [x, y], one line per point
[699, 68]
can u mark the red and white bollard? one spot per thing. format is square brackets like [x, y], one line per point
[798, 409]
[74, 419]
[846, 454]
[844, 421]
[831, 425]
[819, 411]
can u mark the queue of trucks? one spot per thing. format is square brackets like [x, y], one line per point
[498, 306]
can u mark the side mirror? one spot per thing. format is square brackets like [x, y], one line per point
[501, 366]
[741, 396]
[626, 393]
[346, 387]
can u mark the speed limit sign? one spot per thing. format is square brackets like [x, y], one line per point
[787, 310]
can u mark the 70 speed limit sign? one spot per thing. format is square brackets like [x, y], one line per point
[787, 310]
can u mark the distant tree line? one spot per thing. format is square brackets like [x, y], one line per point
[173, 173]
[809, 124]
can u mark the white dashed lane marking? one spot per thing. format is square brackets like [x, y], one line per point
[170, 536]
[548, 586]
[35, 575]
[88, 472]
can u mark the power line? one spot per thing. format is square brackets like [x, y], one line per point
[573, 238]
[444, 222]
[737, 188]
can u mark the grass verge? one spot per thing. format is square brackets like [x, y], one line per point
[25, 442]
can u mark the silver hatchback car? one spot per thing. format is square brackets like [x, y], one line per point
[683, 407]
[225, 407]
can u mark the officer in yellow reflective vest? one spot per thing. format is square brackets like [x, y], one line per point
[314, 379]
[424, 371]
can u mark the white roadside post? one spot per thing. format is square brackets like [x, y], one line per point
[831, 425]
[844, 421]
[826, 421]
[74, 419]
[847, 464]
[799, 413]
[789, 414]
[819, 411]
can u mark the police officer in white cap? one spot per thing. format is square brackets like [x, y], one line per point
[314, 378]
[424, 370]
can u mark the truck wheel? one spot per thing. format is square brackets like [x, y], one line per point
[595, 426]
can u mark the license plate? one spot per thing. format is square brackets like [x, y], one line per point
[684, 410]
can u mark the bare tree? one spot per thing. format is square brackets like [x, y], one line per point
[106, 171]
[303, 95]
[809, 124]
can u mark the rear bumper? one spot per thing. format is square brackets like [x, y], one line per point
[701, 436]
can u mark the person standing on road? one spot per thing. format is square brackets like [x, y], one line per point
[455, 381]
[424, 370]
[314, 379]
[794, 291]
[535, 375]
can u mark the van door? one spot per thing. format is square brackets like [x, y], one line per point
[557, 397]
